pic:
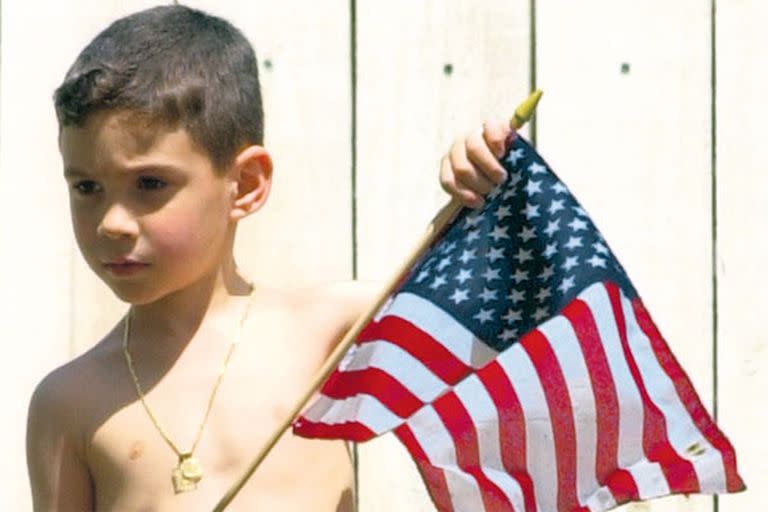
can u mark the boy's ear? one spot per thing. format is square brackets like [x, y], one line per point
[251, 182]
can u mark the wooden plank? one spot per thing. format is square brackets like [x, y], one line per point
[625, 121]
[742, 242]
[410, 110]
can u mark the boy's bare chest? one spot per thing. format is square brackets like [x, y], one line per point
[132, 463]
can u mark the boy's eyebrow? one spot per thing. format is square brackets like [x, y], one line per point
[70, 171]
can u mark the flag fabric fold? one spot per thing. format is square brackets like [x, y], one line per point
[519, 367]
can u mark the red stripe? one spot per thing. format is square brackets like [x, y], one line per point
[375, 382]
[679, 472]
[352, 431]
[419, 344]
[619, 481]
[561, 415]
[433, 477]
[459, 424]
[512, 437]
[689, 397]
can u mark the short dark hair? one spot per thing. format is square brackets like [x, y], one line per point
[176, 65]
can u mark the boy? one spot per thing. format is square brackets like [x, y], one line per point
[160, 135]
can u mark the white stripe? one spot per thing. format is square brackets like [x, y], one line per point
[475, 398]
[401, 365]
[541, 461]
[681, 429]
[565, 345]
[441, 326]
[601, 500]
[648, 476]
[435, 440]
[364, 409]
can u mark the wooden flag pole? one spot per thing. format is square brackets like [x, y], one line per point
[522, 114]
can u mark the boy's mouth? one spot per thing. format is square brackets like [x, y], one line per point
[124, 266]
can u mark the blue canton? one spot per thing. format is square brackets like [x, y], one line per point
[503, 270]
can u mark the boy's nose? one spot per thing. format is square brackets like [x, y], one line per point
[117, 222]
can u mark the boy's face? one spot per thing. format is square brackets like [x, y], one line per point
[146, 195]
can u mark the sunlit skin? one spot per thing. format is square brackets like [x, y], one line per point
[153, 196]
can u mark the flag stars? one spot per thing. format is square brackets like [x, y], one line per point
[576, 224]
[570, 262]
[495, 253]
[459, 296]
[502, 212]
[498, 233]
[422, 275]
[449, 247]
[444, 263]
[596, 261]
[541, 314]
[550, 250]
[514, 156]
[548, 272]
[566, 284]
[490, 274]
[438, 282]
[552, 227]
[531, 211]
[473, 235]
[484, 315]
[543, 294]
[515, 178]
[513, 315]
[508, 334]
[533, 187]
[467, 255]
[471, 221]
[464, 275]
[519, 276]
[488, 295]
[599, 247]
[555, 206]
[523, 255]
[537, 168]
[494, 193]
[511, 192]
[559, 188]
[527, 233]
[573, 242]
[516, 296]
[580, 211]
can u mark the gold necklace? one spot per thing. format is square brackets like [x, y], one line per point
[188, 472]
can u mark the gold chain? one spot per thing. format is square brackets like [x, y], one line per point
[140, 392]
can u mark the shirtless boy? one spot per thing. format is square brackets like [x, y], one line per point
[161, 140]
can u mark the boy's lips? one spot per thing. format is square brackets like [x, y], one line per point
[124, 266]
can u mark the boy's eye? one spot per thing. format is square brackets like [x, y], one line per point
[150, 183]
[85, 188]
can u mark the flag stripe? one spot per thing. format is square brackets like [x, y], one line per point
[351, 430]
[556, 394]
[364, 409]
[433, 477]
[464, 440]
[690, 399]
[619, 481]
[374, 381]
[512, 434]
[678, 472]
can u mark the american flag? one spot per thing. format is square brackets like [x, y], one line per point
[519, 367]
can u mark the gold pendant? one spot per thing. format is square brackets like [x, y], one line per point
[186, 474]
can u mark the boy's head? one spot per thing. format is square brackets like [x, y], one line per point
[174, 67]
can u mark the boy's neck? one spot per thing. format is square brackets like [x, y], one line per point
[177, 317]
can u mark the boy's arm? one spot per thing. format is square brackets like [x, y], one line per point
[58, 474]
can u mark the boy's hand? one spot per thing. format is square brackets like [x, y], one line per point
[471, 167]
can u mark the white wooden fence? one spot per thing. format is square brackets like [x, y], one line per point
[652, 114]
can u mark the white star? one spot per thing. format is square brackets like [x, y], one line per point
[573, 242]
[444, 263]
[464, 274]
[550, 250]
[570, 262]
[556, 205]
[527, 234]
[502, 212]
[514, 156]
[577, 224]
[448, 247]
[580, 211]
[522, 256]
[544, 293]
[473, 235]
[520, 276]
[494, 193]
[531, 211]
[484, 315]
[495, 253]
[490, 274]
[566, 285]
[552, 227]
[596, 261]
[508, 334]
[422, 275]
[515, 178]
[537, 168]
[471, 221]
[488, 294]
[510, 193]
[599, 247]
[467, 255]
[498, 233]
[532, 187]
[438, 282]
[547, 273]
[513, 315]
[516, 296]
[459, 295]
[559, 188]
[541, 314]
